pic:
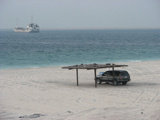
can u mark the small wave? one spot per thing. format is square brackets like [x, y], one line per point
[40, 51]
[135, 60]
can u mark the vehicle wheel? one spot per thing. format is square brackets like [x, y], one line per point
[98, 81]
[107, 82]
[115, 82]
[124, 83]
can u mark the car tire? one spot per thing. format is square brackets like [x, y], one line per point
[115, 82]
[107, 82]
[124, 83]
[99, 81]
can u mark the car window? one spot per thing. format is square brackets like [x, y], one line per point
[105, 74]
[109, 72]
[124, 73]
[115, 72]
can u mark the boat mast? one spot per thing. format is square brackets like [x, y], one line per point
[32, 19]
[16, 22]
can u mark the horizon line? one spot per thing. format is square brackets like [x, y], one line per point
[113, 28]
[99, 28]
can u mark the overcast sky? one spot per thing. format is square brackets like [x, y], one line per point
[80, 14]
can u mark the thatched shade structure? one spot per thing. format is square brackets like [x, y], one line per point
[94, 67]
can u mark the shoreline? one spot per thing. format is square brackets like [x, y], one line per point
[57, 66]
[51, 93]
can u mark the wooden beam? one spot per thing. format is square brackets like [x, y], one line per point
[77, 76]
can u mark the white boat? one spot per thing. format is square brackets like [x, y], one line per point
[31, 28]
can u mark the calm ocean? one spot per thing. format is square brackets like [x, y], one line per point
[69, 47]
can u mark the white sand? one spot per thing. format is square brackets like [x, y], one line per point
[52, 93]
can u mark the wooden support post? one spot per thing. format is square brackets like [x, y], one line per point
[95, 77]
[113, 74]
[77, 76]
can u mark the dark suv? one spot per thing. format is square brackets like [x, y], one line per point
[120, 76]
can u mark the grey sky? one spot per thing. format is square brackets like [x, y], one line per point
[73, 14]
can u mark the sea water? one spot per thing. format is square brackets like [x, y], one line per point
[71, 47]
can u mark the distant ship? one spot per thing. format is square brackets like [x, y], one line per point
[31, 28]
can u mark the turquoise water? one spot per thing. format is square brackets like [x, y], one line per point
[69, 47]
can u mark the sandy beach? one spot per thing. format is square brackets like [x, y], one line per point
[51, 94]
